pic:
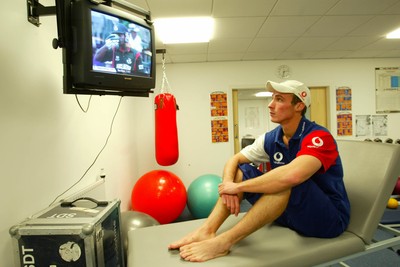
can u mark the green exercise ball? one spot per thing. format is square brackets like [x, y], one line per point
[203, 194]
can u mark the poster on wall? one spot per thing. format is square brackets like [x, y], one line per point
[345, 124]
[219, 117]
[375, 125]
[252, 117]
[379, 125]
[387, 96]
[218, 104]
[343, 99]
[219, 130]
[363, 125]
[344, 116]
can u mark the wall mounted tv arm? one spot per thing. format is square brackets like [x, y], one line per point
[35, 10]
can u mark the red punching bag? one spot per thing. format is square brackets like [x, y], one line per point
[167, 151]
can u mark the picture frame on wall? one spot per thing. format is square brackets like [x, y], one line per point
[387, 94]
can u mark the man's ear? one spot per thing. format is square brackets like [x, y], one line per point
[300, 106]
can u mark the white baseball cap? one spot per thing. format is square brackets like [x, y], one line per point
[293, 87]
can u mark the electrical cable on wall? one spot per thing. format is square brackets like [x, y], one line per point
[95, 159]
[88, 104]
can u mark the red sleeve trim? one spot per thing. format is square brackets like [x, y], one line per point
[321, 145]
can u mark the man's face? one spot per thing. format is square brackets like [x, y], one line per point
[281, 108]
[121, 38]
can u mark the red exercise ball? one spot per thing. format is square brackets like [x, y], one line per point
[160, 194]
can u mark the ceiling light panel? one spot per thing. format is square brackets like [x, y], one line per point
[184, 30]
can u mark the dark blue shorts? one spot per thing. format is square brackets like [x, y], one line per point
[310, 212]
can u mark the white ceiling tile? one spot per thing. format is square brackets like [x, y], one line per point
[391, 53]
[180, 49]
[282, 26]
[365, 54]
[264, 55]
[237, 27]
[179, 8]
[296, 54]
[383, 44]
[188, 58]
[351, 43]
[336, 25]
[225, 56]
[379, 26]
[229, 45]
[357, 7]
[302, 7]
[240, 8]
[271, 44]
[311, 43]
[331, 54]
[395, 9]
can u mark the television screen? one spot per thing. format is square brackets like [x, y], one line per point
[108, 51]
[120, 46]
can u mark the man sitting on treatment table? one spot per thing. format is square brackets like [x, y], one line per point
[304, 191]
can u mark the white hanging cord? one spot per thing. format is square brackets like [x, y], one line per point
[164, 79]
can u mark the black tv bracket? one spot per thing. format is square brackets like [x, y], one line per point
[35, 9]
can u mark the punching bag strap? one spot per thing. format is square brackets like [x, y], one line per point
[165, 88]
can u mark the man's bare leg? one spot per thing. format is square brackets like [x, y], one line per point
[264, 211]
[209, 228]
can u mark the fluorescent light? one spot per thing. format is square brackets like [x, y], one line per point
[184, 30]
[264, 94]
[394, 34]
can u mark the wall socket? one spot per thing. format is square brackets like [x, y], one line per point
[102, 174]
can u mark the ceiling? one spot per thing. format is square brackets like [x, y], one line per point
[283, 29]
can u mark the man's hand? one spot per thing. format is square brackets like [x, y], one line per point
[229, 188]
[229, 195]
[112, 41]
[232, 203]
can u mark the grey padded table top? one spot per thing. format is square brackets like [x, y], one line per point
[272, 245]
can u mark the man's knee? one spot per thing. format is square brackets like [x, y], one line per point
[239, 176]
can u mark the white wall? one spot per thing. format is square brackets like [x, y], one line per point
[47, 142]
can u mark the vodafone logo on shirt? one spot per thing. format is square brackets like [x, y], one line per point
[317, 142]
[278, 157]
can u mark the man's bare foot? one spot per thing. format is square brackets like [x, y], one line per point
[196, 236]
[205, 250]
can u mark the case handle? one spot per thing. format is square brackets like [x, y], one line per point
[98, 203]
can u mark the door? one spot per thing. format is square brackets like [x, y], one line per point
[319, 109]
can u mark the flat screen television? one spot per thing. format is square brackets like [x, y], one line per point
[107, 51]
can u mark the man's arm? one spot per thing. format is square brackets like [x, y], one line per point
[278, 179]
[231, 166]
[101, 53]
[232, 201]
